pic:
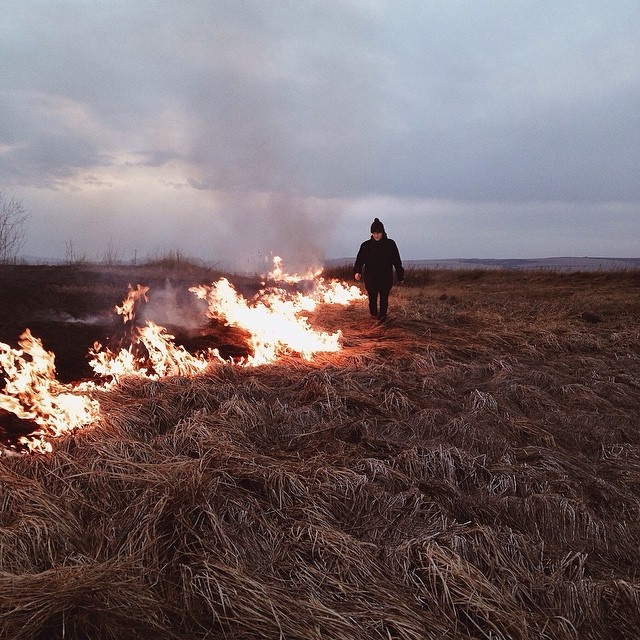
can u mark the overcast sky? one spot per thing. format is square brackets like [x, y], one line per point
[230, 130]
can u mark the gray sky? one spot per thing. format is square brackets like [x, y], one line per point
[230, 130]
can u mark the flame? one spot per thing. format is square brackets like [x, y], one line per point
[129, 304]
[162, 359]
[273, 319]
[273, 322]
[333, 292]
[32, 393]
[278, 274]
[151, 354]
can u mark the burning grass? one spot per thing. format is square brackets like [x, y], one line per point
[469, 470]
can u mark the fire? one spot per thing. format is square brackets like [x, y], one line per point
[152, 353]
[274, 319]
[278, 274]
[274, 316]
[32, 393]
[129, 304]
[163, 358]
[333, 292]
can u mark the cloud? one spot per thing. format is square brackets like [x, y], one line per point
[276, 122]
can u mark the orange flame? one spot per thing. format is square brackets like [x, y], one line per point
[32, 393]
[163, 357]
[278, 274]
[129, 304]
[273, 317]
[273, 322]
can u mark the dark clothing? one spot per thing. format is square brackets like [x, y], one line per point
[375, 261]
[375, 291]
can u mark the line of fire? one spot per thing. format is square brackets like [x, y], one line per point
[271, 324]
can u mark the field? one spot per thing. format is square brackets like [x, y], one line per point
[469, 470]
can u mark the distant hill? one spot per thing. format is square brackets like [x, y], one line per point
[552, 264]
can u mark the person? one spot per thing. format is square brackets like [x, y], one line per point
[374, 264]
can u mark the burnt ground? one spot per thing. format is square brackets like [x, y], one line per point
[70, 307]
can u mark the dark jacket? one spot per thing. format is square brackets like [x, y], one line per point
[376, 260]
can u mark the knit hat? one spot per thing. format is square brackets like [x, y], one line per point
[377, 226]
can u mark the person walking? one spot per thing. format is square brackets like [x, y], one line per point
[374, 264]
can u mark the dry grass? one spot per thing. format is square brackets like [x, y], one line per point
[471, 470]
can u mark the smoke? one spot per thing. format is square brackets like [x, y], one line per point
[255, 227]
[174, 306]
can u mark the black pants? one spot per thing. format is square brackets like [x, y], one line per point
[375, 291]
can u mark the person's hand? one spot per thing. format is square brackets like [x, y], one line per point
[358, 276]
